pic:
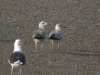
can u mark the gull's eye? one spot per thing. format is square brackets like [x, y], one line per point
[64, 27]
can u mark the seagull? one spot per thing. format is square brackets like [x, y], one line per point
[40, 34]
[17, 57]
[56, 35]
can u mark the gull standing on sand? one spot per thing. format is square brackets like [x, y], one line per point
[17, 57]
[56, 35]
[40, 34]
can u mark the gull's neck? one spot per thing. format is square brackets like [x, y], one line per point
[17, 47]
[57, 28]
[42, 27]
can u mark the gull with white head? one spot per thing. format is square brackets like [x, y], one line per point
[40, 34]
[56, 35]
[17, 57]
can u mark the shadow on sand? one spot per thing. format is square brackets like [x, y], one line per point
[84, 53]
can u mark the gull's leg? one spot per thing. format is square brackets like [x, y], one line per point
[12, 70]
[36, 46]
[58, 45]
[52, 43]
[20, 71]
[42, 44]
[36, 43]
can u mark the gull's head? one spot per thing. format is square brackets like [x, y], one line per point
[43, 24]
[18, 42]
[17, 45]
[59, 27]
